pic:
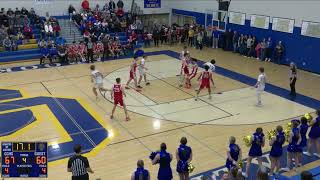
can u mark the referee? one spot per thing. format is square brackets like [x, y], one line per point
[79, 165]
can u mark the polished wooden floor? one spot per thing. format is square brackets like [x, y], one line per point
[135, 139]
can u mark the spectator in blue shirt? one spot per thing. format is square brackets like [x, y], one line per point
[60, 41]
[235, 39]
[215, 38]
[268, 50]
[45, 54]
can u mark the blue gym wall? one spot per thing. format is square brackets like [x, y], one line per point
[302, 50]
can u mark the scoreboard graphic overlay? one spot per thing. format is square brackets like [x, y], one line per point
[24, 159]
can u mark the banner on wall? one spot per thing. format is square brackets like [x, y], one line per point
[43, 1]
[152, 3]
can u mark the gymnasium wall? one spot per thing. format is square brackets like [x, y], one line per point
[300, 49]
[60, 7]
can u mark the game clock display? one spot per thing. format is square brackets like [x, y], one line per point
[24, 159]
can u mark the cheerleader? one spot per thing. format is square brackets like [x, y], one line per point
[276, 144]
[184, 157]
[293, 147]
[303, 133]
[314, 136]
[98, 50]
[257, 142]
[234, 154]
[164, 159]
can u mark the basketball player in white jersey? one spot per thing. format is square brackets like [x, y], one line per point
[97, 79]
[211, 65]
[260, 85]
[142, 70]
[182, 56]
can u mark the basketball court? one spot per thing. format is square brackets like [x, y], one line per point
[56, 104]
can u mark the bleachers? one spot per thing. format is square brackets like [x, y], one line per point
[9, 56]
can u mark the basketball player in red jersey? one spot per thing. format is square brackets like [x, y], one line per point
[184, 68]
[117, 94]
[193, 73]
[206, 78]
[133, 72]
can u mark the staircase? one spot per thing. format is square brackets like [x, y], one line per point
[69, 31]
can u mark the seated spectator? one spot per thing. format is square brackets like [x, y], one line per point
[27, 31]
[14, 42]
[48, 29]
[42, 43]
[62, 54]
[45, 54]
[60, 41]
[112, 6]
[140, 173]
[262, 174]
[7, 44]
[53, 53]
[85, 5]
[306, 175]
[56, 29]
[120, 4]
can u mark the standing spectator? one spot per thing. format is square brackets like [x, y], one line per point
[140, 173]
[156, 36]
[258, 50]
[71, 9]
[263, 45]
[268, 50]
[235, 39]
[79, 165]
[85, 5]
[293, 79]
[190, 36]
[120, 4]
[7, 44]
[215, 38]
[200, 40]
[184, 157]
[228, 40]
[164, 159]
[252, 48]
[279, 52]
[90, 51]
[249, 45]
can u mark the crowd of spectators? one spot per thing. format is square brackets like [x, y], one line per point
[249, 46]
[192, 34]
[100, 28]
[16, 27]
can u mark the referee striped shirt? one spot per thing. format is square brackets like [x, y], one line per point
[78, 165]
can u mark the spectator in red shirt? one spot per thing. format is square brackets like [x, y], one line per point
[56, 29]
[27, 31]
[85, 5]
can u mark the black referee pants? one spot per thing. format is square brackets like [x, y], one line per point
[83, 177]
